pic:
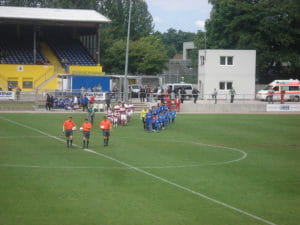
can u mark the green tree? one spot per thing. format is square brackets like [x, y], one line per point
[117, 11]
[268, 26]
[200, 40]
[174, 39]
[146, 56]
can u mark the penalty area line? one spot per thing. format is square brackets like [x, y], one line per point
[152, 175]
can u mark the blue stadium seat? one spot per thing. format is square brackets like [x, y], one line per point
[72, 51]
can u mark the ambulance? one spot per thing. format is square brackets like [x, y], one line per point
[291, 88]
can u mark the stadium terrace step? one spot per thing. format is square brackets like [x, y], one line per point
[47, 51]
[17, 106]
[138, 106]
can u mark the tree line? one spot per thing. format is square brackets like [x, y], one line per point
[271, 27]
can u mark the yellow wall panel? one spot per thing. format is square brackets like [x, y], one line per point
[85, 69]
[22, 73]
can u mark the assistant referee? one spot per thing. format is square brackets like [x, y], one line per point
[68, 128]
[106, 127]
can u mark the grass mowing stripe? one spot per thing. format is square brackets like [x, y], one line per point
[150, 174]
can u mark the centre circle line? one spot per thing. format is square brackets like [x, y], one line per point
[164, 180]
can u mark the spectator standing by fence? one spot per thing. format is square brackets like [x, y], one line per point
[107, 100]
[116, 93]
[51, 102]
[182, 94]
[215, 95]
[270, 96]
[18, 92]
[142, 94]
[195, 93]
[48, 102]
[232, 94]
[84, 102]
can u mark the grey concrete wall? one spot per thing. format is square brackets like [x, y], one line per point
[222, 108]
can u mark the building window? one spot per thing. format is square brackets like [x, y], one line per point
[27, 84]
[229, 60]
[13, 84]
[226, 60]
[225, 85]
[222, 85]
[223, 60]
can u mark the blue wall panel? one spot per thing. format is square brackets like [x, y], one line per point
[90, 82]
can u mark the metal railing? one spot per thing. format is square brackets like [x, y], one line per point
[3, 81]
[139, 97]
[45, 76]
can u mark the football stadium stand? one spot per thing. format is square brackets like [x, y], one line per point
[19, 52]
[39, 46]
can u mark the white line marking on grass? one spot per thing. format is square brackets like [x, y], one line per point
[11, 137]
[66, 167]
[152, 175]
[244, 155]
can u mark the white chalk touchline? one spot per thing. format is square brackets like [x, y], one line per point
[151, 175]
[244, 155]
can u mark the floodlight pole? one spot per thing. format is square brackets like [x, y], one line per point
[126, 56]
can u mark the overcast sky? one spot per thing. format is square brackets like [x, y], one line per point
[185, 15]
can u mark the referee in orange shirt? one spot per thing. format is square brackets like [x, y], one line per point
[86, 130]
[68, 128]
[106, 127]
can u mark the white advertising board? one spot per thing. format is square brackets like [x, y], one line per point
[99, 96]
[7, 95]
[283, 107]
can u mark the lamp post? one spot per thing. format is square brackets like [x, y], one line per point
[126, 55]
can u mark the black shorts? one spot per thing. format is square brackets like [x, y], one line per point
[106, 133]
[86, 134]
[68, 133]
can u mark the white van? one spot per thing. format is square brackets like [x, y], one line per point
[134, 90]
[175, 87]
[291, 88]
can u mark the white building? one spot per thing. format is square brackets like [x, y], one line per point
[224, 69]
[187, 48]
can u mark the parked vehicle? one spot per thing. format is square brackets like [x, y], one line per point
[291, 88]
[134, 89]
[175, 87]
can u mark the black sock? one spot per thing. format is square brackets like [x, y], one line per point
[87, 144]
[83, 144]
[68, 143]
[71, 142]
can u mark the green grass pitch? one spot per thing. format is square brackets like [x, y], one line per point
[202, 170]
